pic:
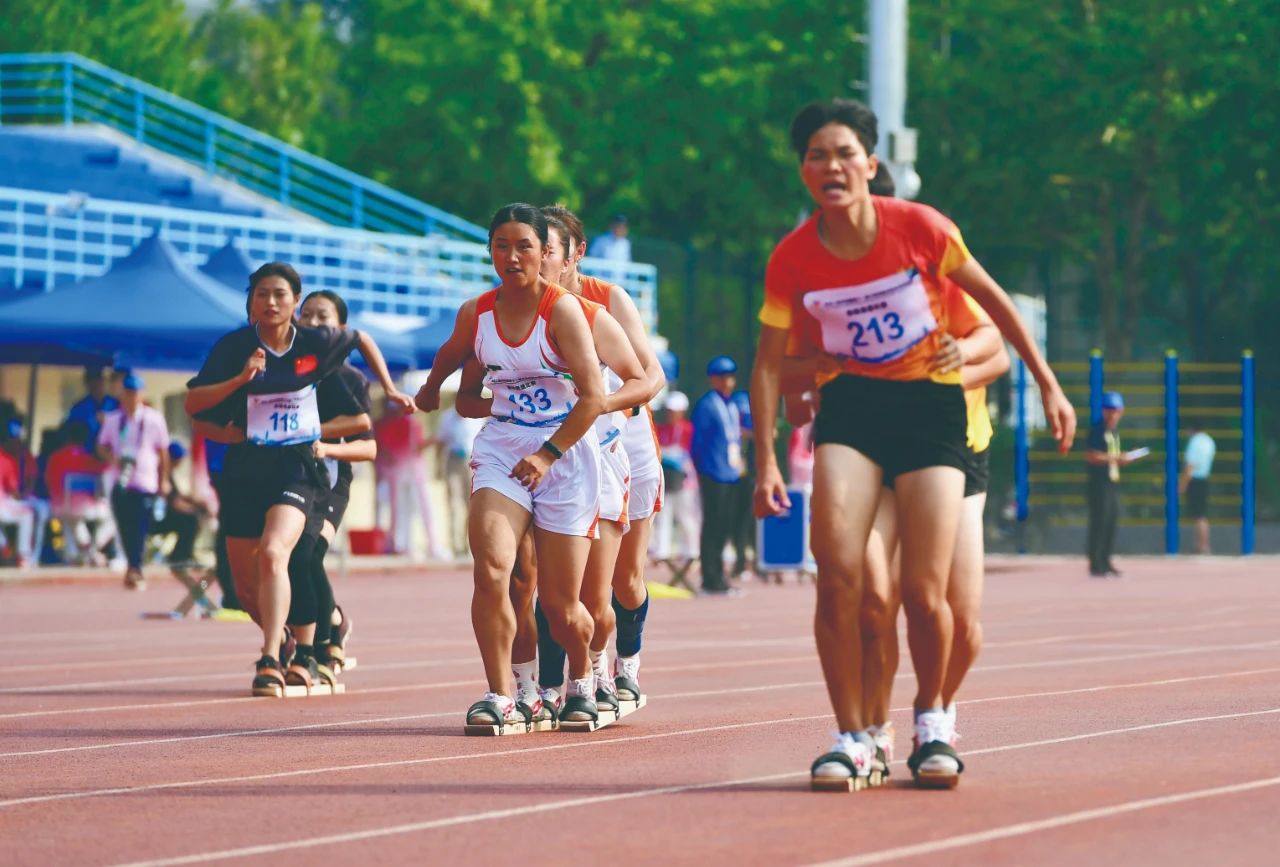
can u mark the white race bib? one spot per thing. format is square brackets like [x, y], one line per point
[874, 322]
[284, 419]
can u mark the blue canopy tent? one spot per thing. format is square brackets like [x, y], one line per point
[231, 267]
[150, 309]
[428, 339]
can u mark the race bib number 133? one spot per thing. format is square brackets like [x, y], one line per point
[874, 322]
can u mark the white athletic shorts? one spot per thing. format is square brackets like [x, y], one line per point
[641, 442]
[566, 501]
[615, 483]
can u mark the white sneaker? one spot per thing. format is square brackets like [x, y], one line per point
[935, 726]
[586, 687]
[861, 752]
[528, 695]
[550, 697]
[883, 736]
[506, 705]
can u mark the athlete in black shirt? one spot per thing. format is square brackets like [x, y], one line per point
[257, 391]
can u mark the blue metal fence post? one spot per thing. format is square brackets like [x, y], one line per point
[68, 94]
[1021, 452]
[1171, 452]
[1095, 387]
[1246, 452]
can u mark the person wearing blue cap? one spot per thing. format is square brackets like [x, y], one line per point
[717, 456]
[134, 440]
[1105, 458]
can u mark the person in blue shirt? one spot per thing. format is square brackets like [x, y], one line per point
[93, 406]
[1197, 463]
[717, 457]
[614, 245]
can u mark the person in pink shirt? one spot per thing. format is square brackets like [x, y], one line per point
[134, 440]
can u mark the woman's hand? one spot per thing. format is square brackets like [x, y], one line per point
[428, 399]
[532, 468]
[395, 397]
[255, 366]
[771, 493]
[318, 449]
[949, 357]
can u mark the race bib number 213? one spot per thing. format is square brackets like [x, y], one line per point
[874, 322]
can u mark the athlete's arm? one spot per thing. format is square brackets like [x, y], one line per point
[471, 402]
[373, 357]
[972, 278]
[572, 334]
[623, 309]
[351, 452]
[229, 434]
[771, 491]
[979, 355]
[798, 375]
[203, 397]
[346, 426]
[458, 348]
[615, 350]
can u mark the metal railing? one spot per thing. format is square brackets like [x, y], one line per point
[48, 239]
[68, 89]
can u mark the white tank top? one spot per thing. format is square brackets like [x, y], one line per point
[609, 425]
[529, 379]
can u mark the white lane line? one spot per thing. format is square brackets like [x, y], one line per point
[399, 763]
[773, 687]
[388, 666]
[1020, 829]
[514, 812]
[702, 666]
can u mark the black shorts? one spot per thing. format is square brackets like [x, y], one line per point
[902, 426]
[255, 478]
[977, 472]
[335, 506]
[1198, 498]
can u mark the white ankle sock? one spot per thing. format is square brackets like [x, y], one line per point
[526, 675]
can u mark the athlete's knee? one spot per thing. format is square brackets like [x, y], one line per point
[838, 601]
[924, 598]
[877, 614]
[273, 558]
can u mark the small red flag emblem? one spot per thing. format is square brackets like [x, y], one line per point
[304, 364]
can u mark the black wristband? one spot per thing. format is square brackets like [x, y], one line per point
[551, 447]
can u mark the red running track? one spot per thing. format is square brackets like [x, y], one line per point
[1107, 722]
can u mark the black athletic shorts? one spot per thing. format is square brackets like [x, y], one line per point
[902, 426]
[1198, 498]
[337, 501]
[977, 472]
[255, 478]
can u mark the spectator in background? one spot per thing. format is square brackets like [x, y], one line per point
[455, 440]
[400, 469]
[214, 453]
[183, 514]
[73, 476]
[1197, 464]
[717, 457]
[1105, 458]
[29, 492]
[135, 441]
[15, 513]
[613, 245]
[91, 408]
[676, 526]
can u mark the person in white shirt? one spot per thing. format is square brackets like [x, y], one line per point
[615, 245]
[1197, 463]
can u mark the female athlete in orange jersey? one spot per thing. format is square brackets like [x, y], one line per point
[860, 281]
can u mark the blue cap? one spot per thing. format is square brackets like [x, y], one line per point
[721, 365]
[132, 382]
[177, 451]
[1112, 400]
